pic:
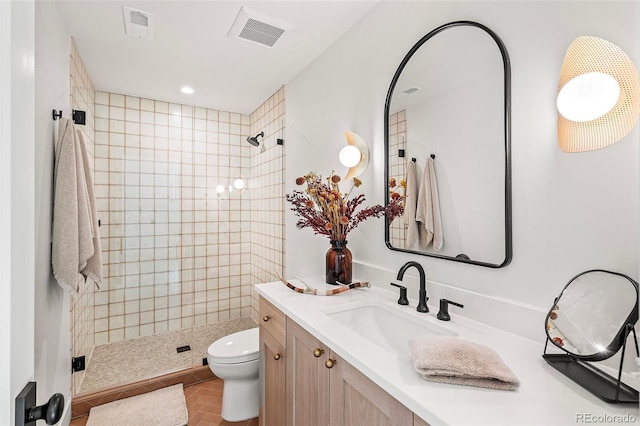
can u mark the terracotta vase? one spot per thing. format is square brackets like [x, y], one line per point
[338, 263]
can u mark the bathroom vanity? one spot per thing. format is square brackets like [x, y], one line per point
[344, 360]
[309, 384]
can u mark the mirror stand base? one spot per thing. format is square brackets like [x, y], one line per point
[593, 379]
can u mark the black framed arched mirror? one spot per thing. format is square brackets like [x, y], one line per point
[448, 113]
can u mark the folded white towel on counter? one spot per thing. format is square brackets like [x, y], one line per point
[76, 249]
[448, 359]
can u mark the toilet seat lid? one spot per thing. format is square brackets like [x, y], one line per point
[235, 348]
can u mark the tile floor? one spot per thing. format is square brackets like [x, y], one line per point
[204, 402]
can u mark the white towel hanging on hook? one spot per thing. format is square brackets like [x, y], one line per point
[76, 248]
[428, 208]
[411, 202]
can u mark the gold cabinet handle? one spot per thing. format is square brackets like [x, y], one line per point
[317, 352]
[266, 318]
[329, 363]
[276, 357]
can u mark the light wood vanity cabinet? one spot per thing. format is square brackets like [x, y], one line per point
[272, 365]
[356, 400]
[417, 421]
[272, 320]
[321, 388]
[307, 378]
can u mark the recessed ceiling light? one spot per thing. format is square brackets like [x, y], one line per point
[187, 90]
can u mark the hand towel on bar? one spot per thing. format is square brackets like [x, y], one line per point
[76, 249]
[428, 208]
[448, 359]
[410, 205]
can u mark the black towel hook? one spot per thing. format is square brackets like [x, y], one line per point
[57, 114]
[78, 117]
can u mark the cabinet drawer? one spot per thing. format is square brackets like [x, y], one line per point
[273, 320]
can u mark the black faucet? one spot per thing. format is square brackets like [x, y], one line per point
[422, 294]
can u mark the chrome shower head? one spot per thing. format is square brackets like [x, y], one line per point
[254, 140]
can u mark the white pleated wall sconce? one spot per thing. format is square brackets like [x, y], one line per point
[355, 155]
[598, 95]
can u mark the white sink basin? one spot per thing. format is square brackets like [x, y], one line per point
[386, 326]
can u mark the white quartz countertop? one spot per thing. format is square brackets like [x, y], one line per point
[545, 396]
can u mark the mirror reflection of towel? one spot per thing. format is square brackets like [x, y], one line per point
[428, 209]
[410, 205]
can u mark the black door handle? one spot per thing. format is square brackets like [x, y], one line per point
[51, 412]
[27, 412]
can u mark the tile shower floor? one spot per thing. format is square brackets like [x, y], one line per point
[204, 402]
[137, 359]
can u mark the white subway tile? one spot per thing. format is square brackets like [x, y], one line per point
[101, 98]
[147, 104]
[116, 100]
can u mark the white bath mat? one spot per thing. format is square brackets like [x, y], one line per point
[162, 407]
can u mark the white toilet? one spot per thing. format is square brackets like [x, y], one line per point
[235, 359]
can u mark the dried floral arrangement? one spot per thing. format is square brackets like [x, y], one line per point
[327, 211]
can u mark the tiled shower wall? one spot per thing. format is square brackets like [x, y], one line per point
[176, 252]
[174, 249]
[82, 308]
[267, 194]
[398, 169]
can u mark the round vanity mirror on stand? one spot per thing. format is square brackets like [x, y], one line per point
[590, 321]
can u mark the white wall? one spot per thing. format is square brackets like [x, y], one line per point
[16, 201]
[5, 214]
[52, 321]
[571, 212]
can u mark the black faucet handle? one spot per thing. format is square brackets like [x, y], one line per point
[403, 294]
[443, 314]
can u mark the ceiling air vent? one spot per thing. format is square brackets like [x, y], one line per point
[261, 32]
[137, 23]
[251, 26]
